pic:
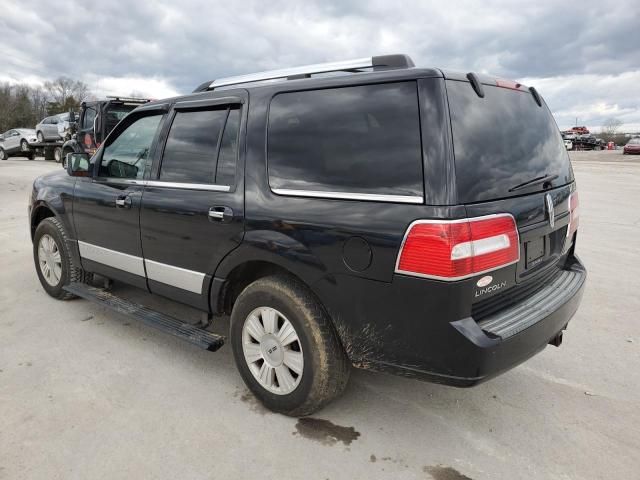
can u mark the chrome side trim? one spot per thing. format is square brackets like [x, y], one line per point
[188, 186]
[175, 276]
[372, 197]
[119, 181]
[161, 184]
[112, 258]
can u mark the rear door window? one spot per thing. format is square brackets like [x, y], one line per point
[200, 148]
[503, 141]
[350, 140]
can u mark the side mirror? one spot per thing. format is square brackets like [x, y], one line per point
[78, 165]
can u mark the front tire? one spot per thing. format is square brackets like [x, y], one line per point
[286, 348]
[3, 154]
[54, 265]
[40, 137]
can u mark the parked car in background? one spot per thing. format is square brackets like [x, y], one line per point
[47, 129]
[17, 141]
[632, 147]
[66, 125]
[568, 144]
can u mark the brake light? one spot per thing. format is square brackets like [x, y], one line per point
[574, 214]
[501, 82]
[456, 249]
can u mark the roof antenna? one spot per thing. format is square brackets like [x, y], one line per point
[475, 83]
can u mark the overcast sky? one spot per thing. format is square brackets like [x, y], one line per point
[584, 57]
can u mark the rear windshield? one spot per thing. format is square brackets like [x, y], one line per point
[502, 141]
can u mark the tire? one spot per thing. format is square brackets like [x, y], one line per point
[57, 154]
[316, 352]
[3, 154]
[65, 271]
[40, 137]
[24, 146]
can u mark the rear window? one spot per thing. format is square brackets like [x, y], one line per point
[352, 140]
[502, 141]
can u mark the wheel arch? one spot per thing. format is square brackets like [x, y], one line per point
[41, 211]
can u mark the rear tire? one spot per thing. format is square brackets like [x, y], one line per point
[285, 347]
[40, 137]
[54, 265]
[24, 146]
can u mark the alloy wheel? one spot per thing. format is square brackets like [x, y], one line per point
[49, 260]
[272, 350]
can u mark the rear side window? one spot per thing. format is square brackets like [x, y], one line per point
[353, 140]
[202, 147]
[192, 145]
[503, 141]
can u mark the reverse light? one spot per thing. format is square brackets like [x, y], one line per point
[574, 214]
[457, 249]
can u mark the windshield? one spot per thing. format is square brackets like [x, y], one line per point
[634, 141]
[502, 141]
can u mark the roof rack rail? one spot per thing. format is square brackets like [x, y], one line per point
[380, 61]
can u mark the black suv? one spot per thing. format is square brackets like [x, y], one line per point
[367, 213]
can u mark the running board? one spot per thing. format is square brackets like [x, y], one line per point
[153, 318]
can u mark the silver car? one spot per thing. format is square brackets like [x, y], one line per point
[17, 141]
[47, 129]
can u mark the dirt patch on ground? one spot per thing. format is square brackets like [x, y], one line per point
[325, 432]
[441, 472]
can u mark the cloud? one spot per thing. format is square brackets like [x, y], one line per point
[166, 47]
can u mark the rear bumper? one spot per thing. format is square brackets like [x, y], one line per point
[526, 329]
[437, 339]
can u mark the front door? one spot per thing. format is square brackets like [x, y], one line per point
[106, 207]
[192, 211]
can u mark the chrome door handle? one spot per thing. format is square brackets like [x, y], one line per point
[124, 201]
[222, 214]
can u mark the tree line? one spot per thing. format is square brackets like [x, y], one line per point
[23, 106]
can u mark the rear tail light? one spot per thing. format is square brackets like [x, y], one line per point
[456, 249]
[574, 214]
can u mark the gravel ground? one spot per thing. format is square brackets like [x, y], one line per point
[89, 394]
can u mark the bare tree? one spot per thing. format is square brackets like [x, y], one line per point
[65, 94]
[610, 128]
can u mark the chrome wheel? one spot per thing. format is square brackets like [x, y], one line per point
[24, 146]
[49, 260]
[272, 350]
[40, 137]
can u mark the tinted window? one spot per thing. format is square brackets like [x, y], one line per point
[363, 139]
[126, 155]
[226, 170]
[501, 141]
[192, 145]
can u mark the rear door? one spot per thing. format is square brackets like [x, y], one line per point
[192, 211]
[510, 158]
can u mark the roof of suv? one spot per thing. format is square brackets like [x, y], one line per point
[371, 69]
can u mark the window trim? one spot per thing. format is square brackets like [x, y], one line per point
[346, 195]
